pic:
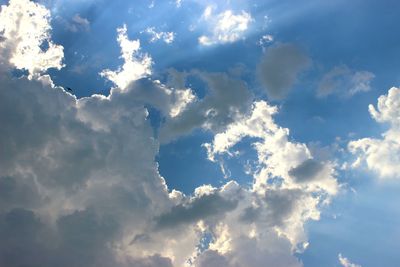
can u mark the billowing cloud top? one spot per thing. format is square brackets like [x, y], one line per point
[25, 26]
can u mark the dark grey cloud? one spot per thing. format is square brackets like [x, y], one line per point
[282, 203]
[307, 171]
[21, 235]
[211, 258]
[84, 239]
[18, 192]
[250, 214]
[279, 69]
[226, 99]
[199, 208]
[152, 261]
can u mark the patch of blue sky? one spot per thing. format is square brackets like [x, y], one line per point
[362, 224]
[184, 164]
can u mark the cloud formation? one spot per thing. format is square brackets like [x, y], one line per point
[79, 183]
[25, 25]
[167, 37]
[225, 27]
[268, 223]
[279, 68]
[226, 99]
[136, 65]
[343, 81]
[382, 155]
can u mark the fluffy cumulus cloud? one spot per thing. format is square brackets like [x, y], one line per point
[24, 26]
[346, 262]
[79, 184]
[225, 27]
[289, 185]
[382, 155]
[343, 81]
[279, 69]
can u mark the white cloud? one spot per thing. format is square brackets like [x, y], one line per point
[382, 155]
[136, 65]
[278, 157]
[285, 193]
[22, 41]
[343, 81]
[265, 39]
[345, 262]
[225, 27]
[167, 37]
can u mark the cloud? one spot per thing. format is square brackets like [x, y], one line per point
[345, 262]
[152, 261]
[307, 170]
[61, 155]
[265, 39]
[225, 27]
[167, 37]
[25, 27]
[178, 3]
[345, 82]
[382, 155]
[279, 69]
[226, 99]
[273, 176]
[80, 185]
[136, 65]
[198, 208]
[78, 23]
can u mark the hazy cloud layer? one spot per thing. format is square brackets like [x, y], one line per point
[346, 262]
[279, 68]
[343, 81]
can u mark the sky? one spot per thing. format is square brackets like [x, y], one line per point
[201, 133]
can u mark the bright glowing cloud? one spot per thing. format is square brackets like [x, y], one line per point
[382, 155]
[346, 262]
[25, 26]
[225, 27]
[136, 65]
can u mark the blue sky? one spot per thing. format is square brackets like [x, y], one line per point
[269, 127]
